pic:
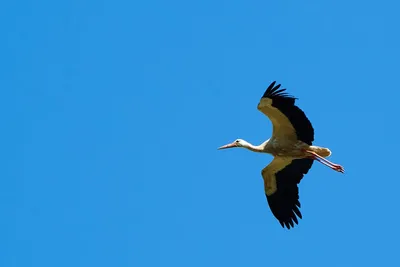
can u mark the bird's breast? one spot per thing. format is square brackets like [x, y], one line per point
[284, 148]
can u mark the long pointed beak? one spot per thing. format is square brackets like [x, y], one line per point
[228, 146]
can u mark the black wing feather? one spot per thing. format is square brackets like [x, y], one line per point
[286, 104]
[284, 203]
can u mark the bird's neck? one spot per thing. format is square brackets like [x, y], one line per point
[259, 148]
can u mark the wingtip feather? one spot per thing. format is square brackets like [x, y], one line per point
[273, 92]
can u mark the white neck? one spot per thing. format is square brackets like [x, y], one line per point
[259, 148]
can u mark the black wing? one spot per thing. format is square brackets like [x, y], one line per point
[285, 103]
[283, 197]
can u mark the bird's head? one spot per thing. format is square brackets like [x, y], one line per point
[236, 143]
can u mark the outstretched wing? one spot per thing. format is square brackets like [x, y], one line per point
[288, 120]
[281, 179]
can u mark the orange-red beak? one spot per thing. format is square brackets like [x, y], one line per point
[228, 146]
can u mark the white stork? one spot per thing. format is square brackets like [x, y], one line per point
[293, 152]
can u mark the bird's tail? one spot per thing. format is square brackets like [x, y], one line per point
[322, 151]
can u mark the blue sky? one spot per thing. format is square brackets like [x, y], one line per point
[112, 112]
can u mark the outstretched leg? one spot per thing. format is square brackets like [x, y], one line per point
[324, 161]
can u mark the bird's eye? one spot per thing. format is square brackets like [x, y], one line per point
[237, 141]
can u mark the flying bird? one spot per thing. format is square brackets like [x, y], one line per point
[293, 152]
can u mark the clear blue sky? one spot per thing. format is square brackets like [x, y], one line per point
[112, 112]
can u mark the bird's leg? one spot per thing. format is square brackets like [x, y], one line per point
[331, 165]
[324, 161]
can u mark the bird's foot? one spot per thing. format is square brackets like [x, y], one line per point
[337, 168]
